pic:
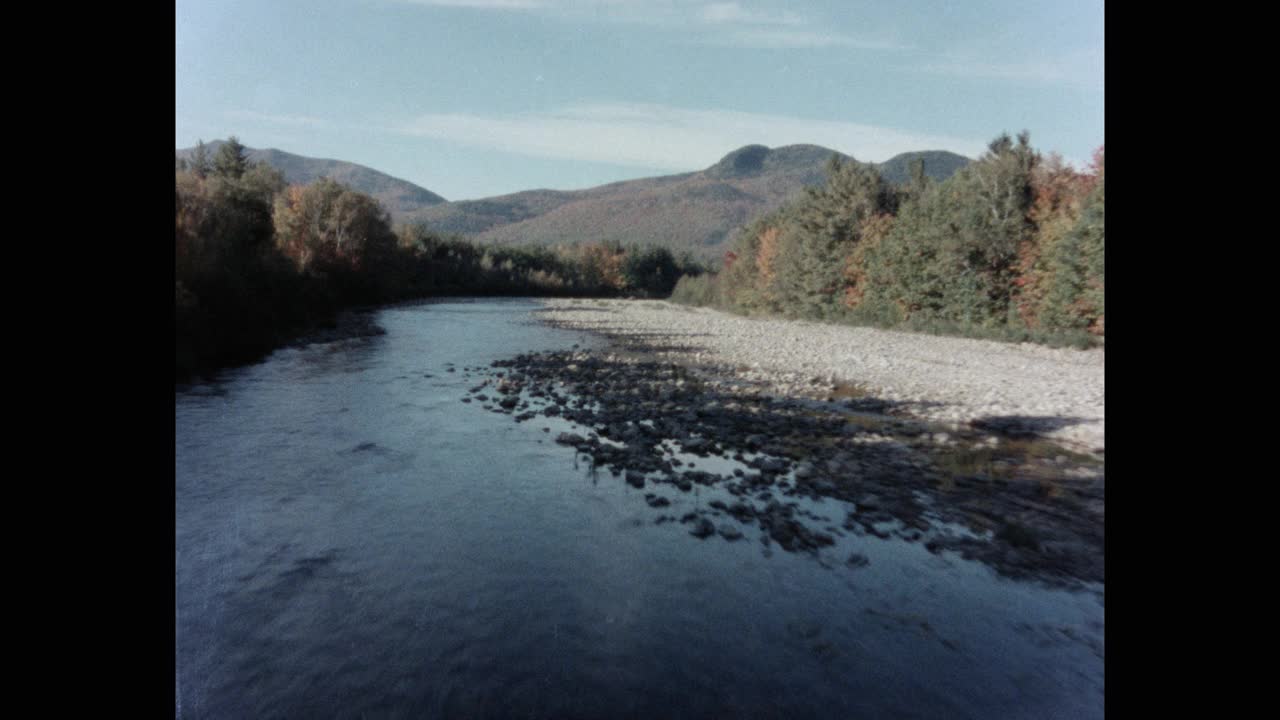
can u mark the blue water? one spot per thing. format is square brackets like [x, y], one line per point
[354, 541]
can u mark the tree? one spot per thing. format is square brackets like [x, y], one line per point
[232, 159]
[330, 229]
[650, 270]
[263, 180]
[1059, 194]
[953, 253]
[824, 231]
[200, 164]
[1076, 288]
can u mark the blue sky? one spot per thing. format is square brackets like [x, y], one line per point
[471, 98]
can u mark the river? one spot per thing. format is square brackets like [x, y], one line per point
[352, 540]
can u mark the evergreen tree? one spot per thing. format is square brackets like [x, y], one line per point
[823, 233]
[953, 254]
[232, 159]
[200, 164]
[1076, 296]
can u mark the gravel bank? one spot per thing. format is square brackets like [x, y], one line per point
[1058, 393]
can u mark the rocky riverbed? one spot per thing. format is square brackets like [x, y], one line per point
[661, 412]
[1020, 389]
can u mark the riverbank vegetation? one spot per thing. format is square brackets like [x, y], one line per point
[1011, 247]
[258, 262]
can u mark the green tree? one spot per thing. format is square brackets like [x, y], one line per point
[263, 180]
[953, 253]
[200, 163]
[232, 159]
[1076, 296]
[822, 233]
[651, 270]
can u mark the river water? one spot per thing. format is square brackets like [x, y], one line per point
[354, 541]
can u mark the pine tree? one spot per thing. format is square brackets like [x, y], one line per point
[826, 228]
[232, 159]
[200, 164]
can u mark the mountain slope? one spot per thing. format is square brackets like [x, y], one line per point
[692, 211]
[696, 211]
[401, 198]
[938, 164]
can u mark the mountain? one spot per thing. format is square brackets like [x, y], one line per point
[938, 164]
[696, 211]
[401, 198]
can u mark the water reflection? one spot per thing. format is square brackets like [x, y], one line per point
[353, 539]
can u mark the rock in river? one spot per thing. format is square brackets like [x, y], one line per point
[703, 529]
[729, 532]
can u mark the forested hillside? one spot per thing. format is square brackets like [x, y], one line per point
[401, 198]
[1010, 246]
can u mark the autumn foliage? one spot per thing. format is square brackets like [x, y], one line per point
[257, 262]
[1012, 245]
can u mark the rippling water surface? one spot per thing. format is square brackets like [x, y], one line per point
[352, 540]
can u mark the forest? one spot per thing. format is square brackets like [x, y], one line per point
[258, 262]
[1011, 247]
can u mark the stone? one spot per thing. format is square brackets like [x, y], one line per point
[703, 529]
[730, 532]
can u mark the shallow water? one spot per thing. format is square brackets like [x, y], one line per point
[353, 540]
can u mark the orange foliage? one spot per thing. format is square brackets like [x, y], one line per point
[1059, 193]
[767, 256]
[291, 234]
[603, 264]
[872, 232]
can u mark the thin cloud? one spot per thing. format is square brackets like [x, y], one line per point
[1083, 68]
[785, 38]
[483, 4]
[661, 137]
[717, 23]
[274, 119]
[732, 12]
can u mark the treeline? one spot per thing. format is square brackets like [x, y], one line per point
[1010, 247]
[258, 262]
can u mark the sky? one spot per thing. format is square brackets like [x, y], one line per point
[475, 98]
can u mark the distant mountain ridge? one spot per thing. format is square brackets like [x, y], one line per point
[401, 198]
[696, 211]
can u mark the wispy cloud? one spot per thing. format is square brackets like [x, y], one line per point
[483, 4]
[661, 137]
[787, 38]
[732, 12]
[713, 23]
[1083, 68]
[276, 119]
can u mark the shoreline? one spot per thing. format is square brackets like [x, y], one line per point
[1017, 390]
[669, 420]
